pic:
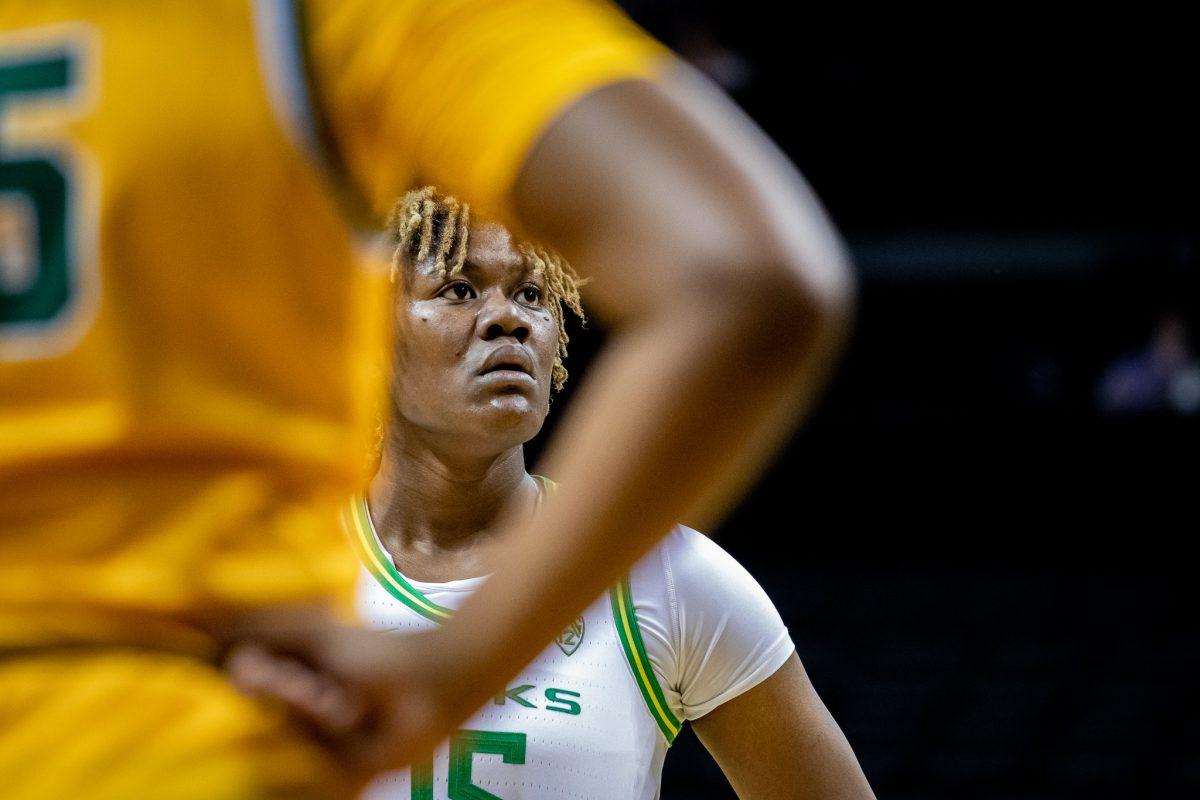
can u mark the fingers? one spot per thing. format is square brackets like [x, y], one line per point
[316, 697]
[370, 698]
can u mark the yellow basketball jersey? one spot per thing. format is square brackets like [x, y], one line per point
[189, 341]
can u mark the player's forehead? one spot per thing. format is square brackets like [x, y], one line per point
[491, 251]
[491, 245]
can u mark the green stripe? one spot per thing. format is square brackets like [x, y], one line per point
[377, 562]
[630, 635]
[547, 488]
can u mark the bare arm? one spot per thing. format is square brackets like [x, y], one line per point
[730, 296]
[800, 755]
[729, 293]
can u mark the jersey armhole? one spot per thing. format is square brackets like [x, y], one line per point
[281, 30]
[625, 619]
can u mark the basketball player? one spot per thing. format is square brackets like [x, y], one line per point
[183, 390]
[688, 634]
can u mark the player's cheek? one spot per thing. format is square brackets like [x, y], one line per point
[547, 339]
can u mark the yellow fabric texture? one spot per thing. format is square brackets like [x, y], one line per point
[178, 454]
[174, 446]
[121, 725]
[473, 84]
[183, 453]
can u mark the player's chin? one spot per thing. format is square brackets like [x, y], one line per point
[514, 414]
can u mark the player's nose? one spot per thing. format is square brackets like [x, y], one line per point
[501, 316]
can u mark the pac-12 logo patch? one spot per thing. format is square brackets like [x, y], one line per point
[568, 641]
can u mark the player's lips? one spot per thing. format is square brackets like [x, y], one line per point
[510, 359]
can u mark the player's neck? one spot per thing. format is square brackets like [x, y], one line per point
[437, 513]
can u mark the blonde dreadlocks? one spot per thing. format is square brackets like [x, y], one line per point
[428, 223]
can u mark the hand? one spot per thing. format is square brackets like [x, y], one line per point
[377, 701]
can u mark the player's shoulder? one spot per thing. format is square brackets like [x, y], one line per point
[710, 628]
[688, 543]
[688, 562]
[689, 552]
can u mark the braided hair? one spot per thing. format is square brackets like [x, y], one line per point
[427, 223]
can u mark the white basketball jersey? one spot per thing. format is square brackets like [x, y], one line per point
[593, 715]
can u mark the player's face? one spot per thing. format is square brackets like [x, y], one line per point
[475, 350]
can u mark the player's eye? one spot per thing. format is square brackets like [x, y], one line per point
[458, 291]
[531, 295]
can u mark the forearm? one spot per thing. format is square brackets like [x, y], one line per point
[730, 293]
[671, 418]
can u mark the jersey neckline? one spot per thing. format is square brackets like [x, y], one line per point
[377, 561]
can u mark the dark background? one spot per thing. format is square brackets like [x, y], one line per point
[982, 541]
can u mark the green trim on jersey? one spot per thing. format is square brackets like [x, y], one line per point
[548, 487]
[630, 635]
[357, 519]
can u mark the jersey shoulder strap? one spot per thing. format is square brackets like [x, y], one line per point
[625, 618]
[356, 519]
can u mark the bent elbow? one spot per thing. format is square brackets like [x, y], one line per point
[806, 306]
[830, 300]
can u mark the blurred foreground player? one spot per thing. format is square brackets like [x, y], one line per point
[687, 634]
[184, 390]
